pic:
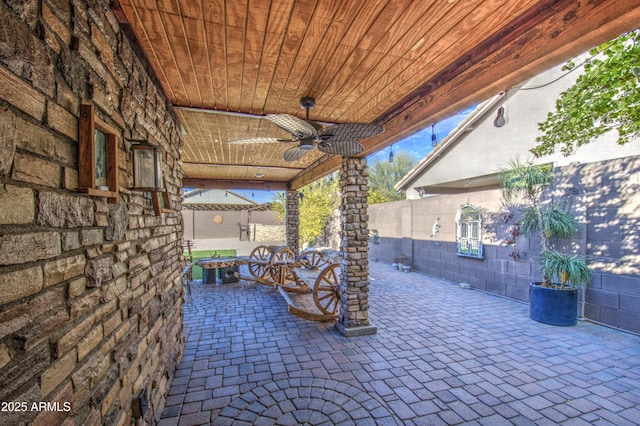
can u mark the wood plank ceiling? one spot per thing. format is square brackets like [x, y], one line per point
[399, 63]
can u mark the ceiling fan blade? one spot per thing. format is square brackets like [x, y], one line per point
[344, 148]
[299, 128]
[258, 141]
[295, 153]
[350, 132]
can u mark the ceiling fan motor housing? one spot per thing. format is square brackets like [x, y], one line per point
[307, 102]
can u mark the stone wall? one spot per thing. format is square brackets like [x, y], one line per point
[90, 291]
[354, 266]
[292, 221]
[603, 196]
[260, 232]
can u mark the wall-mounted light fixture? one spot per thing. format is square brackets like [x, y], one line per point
[500, 120]
[391, 153]
[147, 166]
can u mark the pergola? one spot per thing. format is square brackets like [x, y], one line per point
[403, 65]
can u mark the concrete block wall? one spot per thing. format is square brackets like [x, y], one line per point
[90, 292]
[603, 196]
[613, 241]
[199, 225]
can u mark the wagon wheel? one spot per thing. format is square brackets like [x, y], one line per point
[310, 259]
[326, 292]
[281, 269]
[259, 262]
[281, 258]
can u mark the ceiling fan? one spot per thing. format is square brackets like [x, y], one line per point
[339, 139]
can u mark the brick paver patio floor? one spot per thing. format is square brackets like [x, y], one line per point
[442, 355]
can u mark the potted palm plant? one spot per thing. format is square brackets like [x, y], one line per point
[554, 300]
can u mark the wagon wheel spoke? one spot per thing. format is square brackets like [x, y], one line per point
[308, 259]
[331, 306]
[302, 261]
[315, 260]
[328, 303]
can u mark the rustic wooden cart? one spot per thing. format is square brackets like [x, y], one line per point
[309, 282]
[321, 301]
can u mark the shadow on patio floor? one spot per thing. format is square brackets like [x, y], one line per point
[442, 355]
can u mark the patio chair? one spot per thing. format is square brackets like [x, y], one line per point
[245, 232]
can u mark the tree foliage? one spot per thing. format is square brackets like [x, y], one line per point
[606, 97]
[383, 175]
[318, 200]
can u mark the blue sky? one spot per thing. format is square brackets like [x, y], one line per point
[418, 144]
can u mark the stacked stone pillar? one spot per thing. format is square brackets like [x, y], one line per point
[353, 319]
[293, 221]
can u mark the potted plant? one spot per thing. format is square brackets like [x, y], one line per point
[400, 261]
[554, 300]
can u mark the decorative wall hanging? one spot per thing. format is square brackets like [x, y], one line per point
[434, 137]
[97, 156]
[469, 232]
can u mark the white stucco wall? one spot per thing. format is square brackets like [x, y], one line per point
[486, 149]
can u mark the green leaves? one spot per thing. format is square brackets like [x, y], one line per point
[553, 221]
[524, 179]
[606, 97]
[523, 184]
[383, 176]
[318, 200]
[570, 270]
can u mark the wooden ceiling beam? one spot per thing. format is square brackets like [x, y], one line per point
[264, 168]
[564, 29]
[202, 183]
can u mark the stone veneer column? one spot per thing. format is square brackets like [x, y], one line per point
[293, 221]
[353, 319]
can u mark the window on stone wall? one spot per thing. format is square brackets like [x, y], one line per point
[469, 232]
